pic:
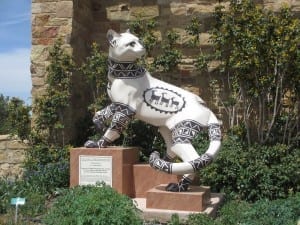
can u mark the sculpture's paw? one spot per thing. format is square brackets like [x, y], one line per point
[102, 143]
[153, 156]
[173, 187]
[91, 144]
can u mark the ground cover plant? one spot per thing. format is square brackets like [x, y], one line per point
[92, 205]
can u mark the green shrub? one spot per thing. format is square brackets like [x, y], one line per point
[170, 57]
[19, 118]
[277, 212]
[92, 205]
[232, 212]
[266, 212]
[35, 201]
[6, 186]
[14, 117]
[52, 108]
[46, 178]
[94, 70]
[47, 168]
[256, 172]
[200, 219]
[4, 127]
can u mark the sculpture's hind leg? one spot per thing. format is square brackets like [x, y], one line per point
[182, 134]
[187, 153]
[180, 137]
[167, 136]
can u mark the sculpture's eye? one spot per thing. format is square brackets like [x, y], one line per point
[132, 44]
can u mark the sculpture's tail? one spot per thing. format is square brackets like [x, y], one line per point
[179, 168]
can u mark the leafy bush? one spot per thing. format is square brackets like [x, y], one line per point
[170, 57]
[46, 178]
[94, 70]
[47, 168]
[19, 118]
[3, 114]
[256, 172]
[35, 201]
[258, 55]
[232, 212]
[281, 211]
[92, 205]
[266, 212]
[200, 219]
[14, 117]
[51, 108]
[6, 186]
[47, 160]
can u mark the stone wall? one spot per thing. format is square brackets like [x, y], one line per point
[12, 154]
[81, 22]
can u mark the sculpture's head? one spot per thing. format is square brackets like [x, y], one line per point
[124, 47]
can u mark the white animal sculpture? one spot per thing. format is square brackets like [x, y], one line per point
[179, 114]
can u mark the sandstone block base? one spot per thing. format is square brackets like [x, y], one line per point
[122, 161]
[165, 215]
[196, 199]
[146, 178]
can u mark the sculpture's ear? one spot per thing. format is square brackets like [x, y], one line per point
[112, 36]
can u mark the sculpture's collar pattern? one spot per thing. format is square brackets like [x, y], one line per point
[125, 70]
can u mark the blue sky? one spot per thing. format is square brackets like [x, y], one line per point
[15, 44]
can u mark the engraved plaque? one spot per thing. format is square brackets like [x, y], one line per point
[94, 169]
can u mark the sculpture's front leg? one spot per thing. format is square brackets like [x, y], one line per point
[101, 116]
[99, 120]
[121, 116]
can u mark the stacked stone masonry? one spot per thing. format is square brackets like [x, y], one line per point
[12, 154]
[81, 22]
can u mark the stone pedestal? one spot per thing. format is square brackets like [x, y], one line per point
[196, 199]
[144, 184]
[122, 163]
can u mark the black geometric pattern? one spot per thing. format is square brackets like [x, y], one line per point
[125, 70]
[101, 116]
[181, 186]
[157, 163]
[185, 131]
[102, 143]
[122, 116]
[214, 132]
[201, 162]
